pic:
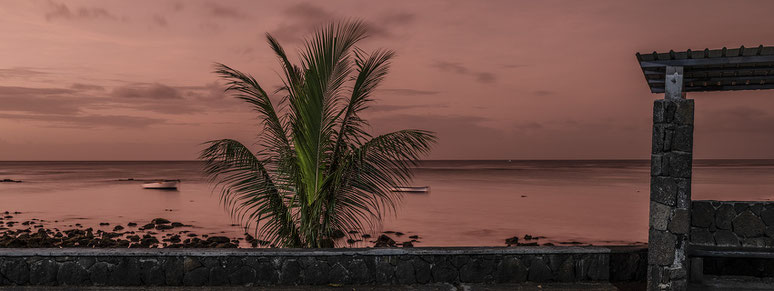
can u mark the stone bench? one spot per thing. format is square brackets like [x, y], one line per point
[728, 237]
[698, 253]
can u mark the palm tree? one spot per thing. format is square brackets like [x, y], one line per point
[319, 173]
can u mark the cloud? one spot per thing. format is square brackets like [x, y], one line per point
[543, 93]
[513, 66]
[451, 67]
[301, 19]
[485, 77]
[455, 133]
[400, 18]
[57, 107]
[38, 100]
[408, 92]
[178, 6]
[159, 20]
[217, 10]
[210, 91]
[20, 72]
[86, 121]
[66, 107]
[383, 26]
[389, 108]
[736, 119]
[86, 87]
[63, 11]
[168, 99]
[147, 91]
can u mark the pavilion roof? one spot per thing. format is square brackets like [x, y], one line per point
[726, 69]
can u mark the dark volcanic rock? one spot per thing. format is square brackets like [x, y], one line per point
[661, 250]
[726, 238]
[160, 221]
[326, 243]
[70, 273]
[748, 225]
[539, 271]
[197, 277]
[290, 272]
[724, 215]
[148, 241]
[512, 241]
[336, 234]
[405, 273]
[768, 216]
[384, 241]
[702, 214]
[43, 272]
[218, 239]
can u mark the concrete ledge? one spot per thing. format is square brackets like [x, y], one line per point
[281, 252]
[288, 267]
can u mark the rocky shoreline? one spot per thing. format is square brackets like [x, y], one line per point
[163, 233]
[157, 233]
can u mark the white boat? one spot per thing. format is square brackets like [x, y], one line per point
[422, 189]
[163, 184]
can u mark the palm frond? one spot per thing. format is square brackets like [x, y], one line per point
[368, 174]
[371, 71]
[319, 170]
[247, 89]
[248, 190]
[326, 66]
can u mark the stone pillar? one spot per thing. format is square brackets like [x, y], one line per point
[670, 194]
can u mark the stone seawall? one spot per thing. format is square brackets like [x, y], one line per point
[732, 223]
[266, 267]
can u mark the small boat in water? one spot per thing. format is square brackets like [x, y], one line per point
[162, 184]
[423, 189]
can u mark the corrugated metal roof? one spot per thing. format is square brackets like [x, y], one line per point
[726, 69]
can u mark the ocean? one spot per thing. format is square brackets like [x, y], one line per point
[471, 203]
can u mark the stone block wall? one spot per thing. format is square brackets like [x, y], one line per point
[670, 194]
[732, 223]
[206, 267]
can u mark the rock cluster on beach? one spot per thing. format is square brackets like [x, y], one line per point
[143, 237]
[157, 233]
[529, 240]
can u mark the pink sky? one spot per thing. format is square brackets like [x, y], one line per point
[127, 80]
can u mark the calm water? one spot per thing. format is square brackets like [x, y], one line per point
[472, 203]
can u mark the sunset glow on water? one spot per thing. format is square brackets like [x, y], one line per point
[471, 203]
